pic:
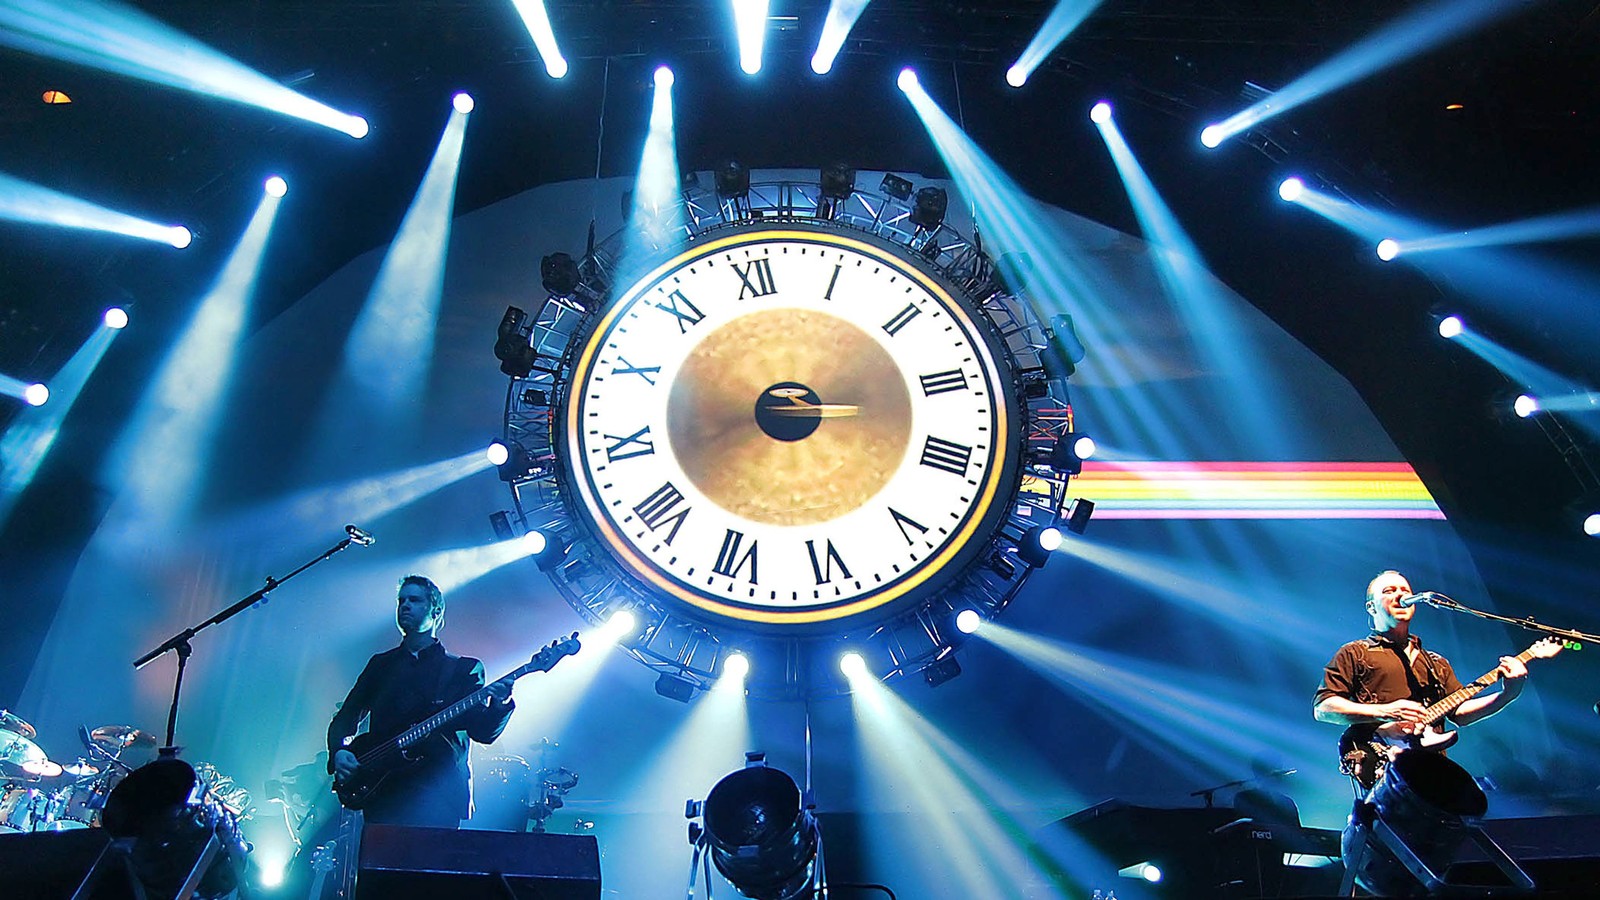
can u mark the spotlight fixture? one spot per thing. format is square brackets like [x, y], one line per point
[535, 543]
[276, 186]
[116, 317]
[852, 665]
[1079, 514]
[517, 464]
[559, 274]
[501, 523]
[1063, 348]
[664, 78]
[733, 180]
[622, 623]
[512, 345]
[1016, 76]
[1013, 270]
[1037, 544]
[1388, 249]
[497, 454]
[1291, 189]
[736, 666]
[1591, 525]
[838, 181]
[1450, 327]
[968, 620]
[462, 102]
[36, 394]
[927, 211]
[1100, 113]
[1525, 405]
[896, 187]
[761, 833]
[675, 687]
[940, 672]
[1211, 136]
[1070, 451]
[907, 80]
[179, 236]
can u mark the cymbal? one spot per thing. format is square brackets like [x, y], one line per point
[43, 768]
[11, 722]
[80, 768]
[121, 737]
[17, 748]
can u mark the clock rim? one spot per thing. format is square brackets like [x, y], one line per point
[929, 576]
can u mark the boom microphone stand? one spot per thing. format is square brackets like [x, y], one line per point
[1440, 601]
[179, 643]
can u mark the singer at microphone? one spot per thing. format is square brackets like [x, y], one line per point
[1414, 599]
[359, 536]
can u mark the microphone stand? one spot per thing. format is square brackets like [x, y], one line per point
[1440, 601]
[179, 643]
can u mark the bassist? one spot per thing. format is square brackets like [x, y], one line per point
[1381, 685]
[404, 685]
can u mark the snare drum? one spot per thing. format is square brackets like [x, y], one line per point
[23, 808]
[78, 805]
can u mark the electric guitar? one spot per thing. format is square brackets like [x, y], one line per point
[1366, 749]
[380, 756]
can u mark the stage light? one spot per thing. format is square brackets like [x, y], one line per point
[1591, 524]
[895, 186]
[1151, 873]
[664, 78]
[537, 20]
[116, 317]
[500, 521]
[929, 208]
[497, 454]
[622, 623]
[1100, 113]
[276, 186]
[1291, 189]
[462, 102]
[1070, 450]
[534, 542]
[1450, 327]
[356, 127]
[179, 236]
[1016, 76]
[1037, 544]
[907, 80]
[732, 180]
[1525, 405]
[1083, 446]
[675, 687]
[852, 665]
[736, 666]
[750, 21]
[512, 345]
[968, 620]
[559, 274]
[1211, 136]
[36, 394]
[55, 98]
[838, 181]
[1388, 249]
[1079, 514]
[760, 833]
[939, 672]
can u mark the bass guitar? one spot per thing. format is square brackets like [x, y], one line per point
[1366, 749]
[378, 756]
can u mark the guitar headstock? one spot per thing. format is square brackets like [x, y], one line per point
[1550, 646]
[559, 649]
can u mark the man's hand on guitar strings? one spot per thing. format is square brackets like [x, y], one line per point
[499, 693]
[1403, 711]
[344, 764]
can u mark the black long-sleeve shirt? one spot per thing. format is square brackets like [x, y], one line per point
[398, 689]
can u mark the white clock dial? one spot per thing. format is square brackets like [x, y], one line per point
[787, 425]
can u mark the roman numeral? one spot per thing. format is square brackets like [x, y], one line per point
[902, 521]
[942, 382]
[946, 456]
[729, 562]
[828, 294]
[661, 508]
[630, 446]
[757, 278]
[687, 313]
[901, 318]
[823, 568]
[630, 369]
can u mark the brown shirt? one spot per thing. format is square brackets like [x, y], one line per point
[1374, 670]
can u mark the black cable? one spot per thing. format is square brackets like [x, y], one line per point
[866, 887]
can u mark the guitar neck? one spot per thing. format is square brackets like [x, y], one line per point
[1471, 689]
[421, 730]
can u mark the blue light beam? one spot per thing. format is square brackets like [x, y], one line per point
[161, 453]
[656, 218]
[750, 21]
[1066, 17]
[31, 435]
[1554, 227]
[23, 201]
[116, 38]
[390, 348]
[842, 16]
[537, 20]
[1418, 31]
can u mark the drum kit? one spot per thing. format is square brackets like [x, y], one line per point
[39, 794]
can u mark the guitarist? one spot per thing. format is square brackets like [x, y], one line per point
[1385, 681]
[399, 688]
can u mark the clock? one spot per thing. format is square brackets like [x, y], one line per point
[790, 426]
[814, 423]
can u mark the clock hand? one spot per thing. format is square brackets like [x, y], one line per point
[799, 408]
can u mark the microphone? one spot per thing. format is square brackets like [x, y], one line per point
[1414, 599]
[364, 538]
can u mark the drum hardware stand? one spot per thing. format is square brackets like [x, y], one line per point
[120, 850]
[179, 643]
[1371, 828]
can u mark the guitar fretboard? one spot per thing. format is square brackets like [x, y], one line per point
[1471, 689]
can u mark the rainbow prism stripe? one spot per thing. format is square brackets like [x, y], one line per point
[1254, 490]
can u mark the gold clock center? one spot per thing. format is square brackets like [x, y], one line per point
[785, 363]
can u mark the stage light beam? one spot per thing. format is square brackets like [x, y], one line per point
[750, 21]
[116, 38]
[537, 20]
[736, 667]
[842, 16]
[23, 201]
[1062, 21]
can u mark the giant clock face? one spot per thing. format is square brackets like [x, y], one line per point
[786, 425]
